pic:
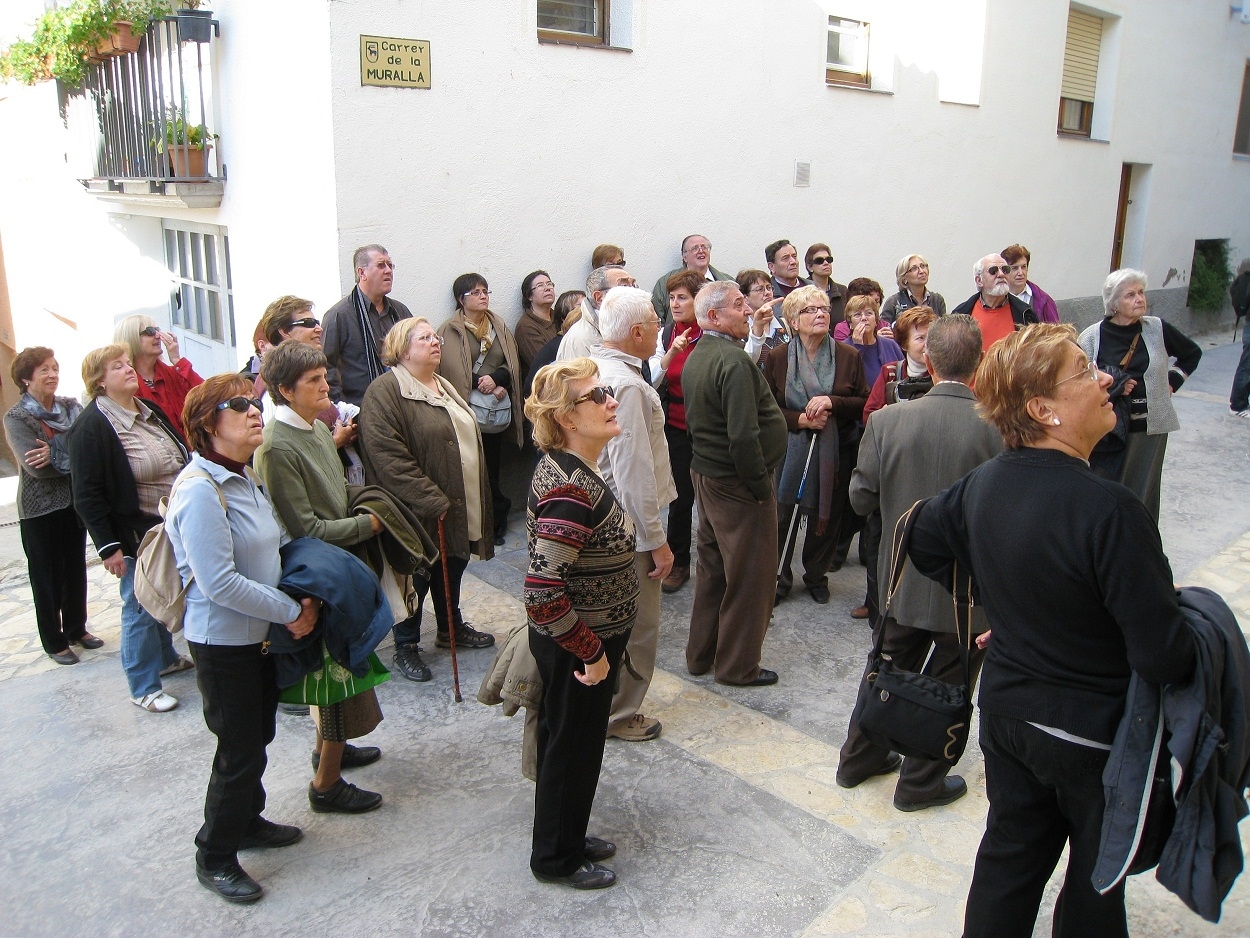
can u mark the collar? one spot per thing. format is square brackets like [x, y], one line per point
[283, 413]
[615, 354]
[225, 461]
[126, 417]
[724, 335]
[1006, 301]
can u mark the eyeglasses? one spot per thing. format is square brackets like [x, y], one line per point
[541, 285]
[657, 322]
[599, 395]
[761, 288]
[479, 293]
[822, 260]
[996, 270]
[916, 268]
[813, 310]
[308, 322]
[241, 405]
[150, 331]
[432, 338]
[1090, 371]
[863, 315]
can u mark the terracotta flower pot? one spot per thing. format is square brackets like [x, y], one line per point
[189, 162]
[122, 40]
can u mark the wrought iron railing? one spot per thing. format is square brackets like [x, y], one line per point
[148, 114]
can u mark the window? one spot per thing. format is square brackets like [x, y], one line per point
[579, 21]
[846, 61]
[1080, 73]
[198, 257]
[1241, 139]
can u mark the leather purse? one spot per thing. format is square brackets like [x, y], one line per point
[910, 713]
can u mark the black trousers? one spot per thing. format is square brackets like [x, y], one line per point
[56, 559]
[870, 553]
[240, 691]
[492, 447]
[1044, 792]
[410, 631]
[681, 509]
[572, 729]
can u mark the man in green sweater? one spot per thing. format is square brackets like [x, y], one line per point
[737, 437]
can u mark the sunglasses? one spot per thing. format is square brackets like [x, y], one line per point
[241, 405]
[150, 331]
[308, 322]
[996, 270]
[822, 260]
[599, 395]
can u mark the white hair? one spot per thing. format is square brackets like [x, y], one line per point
[710, 297]
[622, 309]
[1114, 287]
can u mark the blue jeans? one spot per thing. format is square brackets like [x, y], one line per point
[147, 646]
[1240, 398]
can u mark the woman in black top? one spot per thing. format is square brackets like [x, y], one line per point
[1137, 350]
[1071, 573]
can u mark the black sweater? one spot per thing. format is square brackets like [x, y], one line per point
[1071, 572]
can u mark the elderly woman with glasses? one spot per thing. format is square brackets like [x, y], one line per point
[912, 276]
[423, 445]
[480, 354]
[768, 328]
[124, 455]
[1079, 596]
[581, 596]
[819, 385]
[225, 540]
[1149, 359]
[167, 385]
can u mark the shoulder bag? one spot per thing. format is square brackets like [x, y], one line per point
[493, 415]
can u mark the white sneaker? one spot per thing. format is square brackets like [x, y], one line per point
[159, 702]
[182, 664]
[1239, 413]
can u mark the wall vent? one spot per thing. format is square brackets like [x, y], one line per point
[802, 173]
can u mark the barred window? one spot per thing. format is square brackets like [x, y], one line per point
[580, 21]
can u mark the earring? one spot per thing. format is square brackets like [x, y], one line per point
[1056, 421]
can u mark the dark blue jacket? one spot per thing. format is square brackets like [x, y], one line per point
[354, 619]
[1208, 719]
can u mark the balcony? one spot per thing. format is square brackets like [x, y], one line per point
[140, 126]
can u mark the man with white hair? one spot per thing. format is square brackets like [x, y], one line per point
[996, 311]
[635, 466]
[737, 438]
[583, 336]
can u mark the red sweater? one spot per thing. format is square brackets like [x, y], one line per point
[169, 389]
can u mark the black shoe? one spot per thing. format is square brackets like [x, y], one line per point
[231, 883]
[353, 757]
[779, 597]
[343, 798]
[892, 762]
[295, 710]
[87, 640]
[268, 834]
[408, 661]
[953, 788]
[466, 637]
[587, 876]
[763, 679]
[597, 849]
[820, 594]
[65, 657]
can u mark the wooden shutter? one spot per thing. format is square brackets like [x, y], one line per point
[1080, 56]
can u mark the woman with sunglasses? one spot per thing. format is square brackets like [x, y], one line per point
[912, 275]
[167, 385]
[480, 354]
[581, 596]
[226, 541]
[124, 455]
[819, 263]
[302, 474]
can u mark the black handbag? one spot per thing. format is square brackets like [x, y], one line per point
[914, 714]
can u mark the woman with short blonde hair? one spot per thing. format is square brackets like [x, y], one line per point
[911, 274]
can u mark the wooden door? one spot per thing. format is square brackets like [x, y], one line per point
[1121, 214]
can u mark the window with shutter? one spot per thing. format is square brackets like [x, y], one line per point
[580, 21]
[1080, 73]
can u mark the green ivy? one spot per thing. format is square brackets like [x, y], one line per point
[1210, 276]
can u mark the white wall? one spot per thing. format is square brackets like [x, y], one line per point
[525, 155]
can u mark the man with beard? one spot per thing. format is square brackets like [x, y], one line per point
[996, 311]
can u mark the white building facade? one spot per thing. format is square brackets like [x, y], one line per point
[880, 127]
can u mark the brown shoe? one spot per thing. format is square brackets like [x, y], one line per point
[639, 729]
[859, 612]
[675, 580]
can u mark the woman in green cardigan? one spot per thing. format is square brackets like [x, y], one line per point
[304, 479]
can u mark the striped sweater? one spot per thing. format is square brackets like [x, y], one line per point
[581, 585]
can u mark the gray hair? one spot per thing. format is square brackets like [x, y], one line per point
[712, 297]
[621, 310]
[954, 347]
[979, 267]
[689, 236]
[597, 280]
[360, 256]
[1114, 287]
[900, 269]
[287, 362]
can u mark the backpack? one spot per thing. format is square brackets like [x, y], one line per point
[158, 584]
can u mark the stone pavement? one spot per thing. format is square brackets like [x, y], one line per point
[730, 824]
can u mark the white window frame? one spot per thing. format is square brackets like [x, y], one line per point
[203, 299]
[859, 75]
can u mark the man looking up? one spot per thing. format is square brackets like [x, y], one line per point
[696, 255]
[783, 264]
[996, 311]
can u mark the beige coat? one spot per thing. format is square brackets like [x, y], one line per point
[410, 450]
[457, 366]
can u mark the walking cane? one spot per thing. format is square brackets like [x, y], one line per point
[451, 620]
[794, 518]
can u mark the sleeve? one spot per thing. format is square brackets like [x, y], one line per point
[865, 490]
[741, 403]
[283, 472]
[775, 370]
[88, 456]
[842, 332]
[196, 508]
[332, 338]
[876, 397]
[388, 455]
[187, 373]
[1186, 352]
[659, 299]
[633, 468]
[939, 537]
[848, 404]
[22, 439]
[562, 523]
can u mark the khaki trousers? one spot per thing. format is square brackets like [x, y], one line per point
[640, 652]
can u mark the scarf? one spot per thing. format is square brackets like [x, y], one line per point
[807, 378]
[484, 335]
[55, 422]
[372, 360]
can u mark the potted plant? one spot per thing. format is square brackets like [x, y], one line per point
[185, 144]
[194, 24]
